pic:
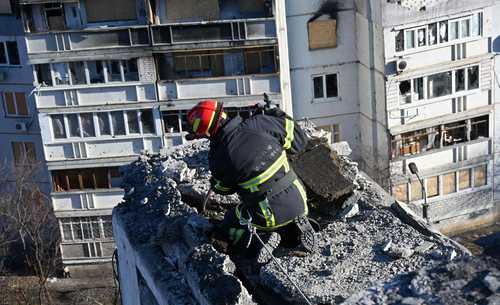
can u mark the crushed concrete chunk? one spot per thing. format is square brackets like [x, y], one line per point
[492, 281]
[341, 149]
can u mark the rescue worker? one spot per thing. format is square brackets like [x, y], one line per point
[250, 157]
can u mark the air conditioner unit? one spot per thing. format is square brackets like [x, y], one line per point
[3, 75]
[401, 65]
[20, 126]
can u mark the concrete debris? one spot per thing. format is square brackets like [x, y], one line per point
[368, 253]
[341, 149]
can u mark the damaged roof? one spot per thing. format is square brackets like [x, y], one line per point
[372, 250]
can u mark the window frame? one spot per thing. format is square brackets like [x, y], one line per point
[93, 222]
[7, 55]
[25, 159]
[16, 106]
[325, 98]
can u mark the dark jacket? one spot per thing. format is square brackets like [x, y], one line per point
[244, 150]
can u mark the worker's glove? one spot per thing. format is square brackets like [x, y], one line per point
[215, 186]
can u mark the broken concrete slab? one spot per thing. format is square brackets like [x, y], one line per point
[341, 149]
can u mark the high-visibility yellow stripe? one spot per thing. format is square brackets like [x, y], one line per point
[196, 124]
[266, 175]
[289, 126]
[211, 120]
[303, 194]
[268, 214]
[238, 215]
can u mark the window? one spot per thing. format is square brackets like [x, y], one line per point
[325, 86]
[73, 125]
[415, 142]
[400, 192]
[24, 153]
[322, 34]
[449, 183]
[473, 77]
[432, 186]
[110, 10]
[15, 104]
[454, 133]
[133, 123]
[86, 228]
[118, 123]
[104, 126]
[479, 128]
[58, 126]
[87, 120]
[43, 75]
[460, 80]
[77, 73]
[439, 32]
[114, 71]
[54, 14]
[480, 175]
[334, 129]
[464, 179]
[418, 89]
[416, 191]
[61, 73]
[131, 73]
[147, 121]
[439, 84]
[9, 54]
[90, 178]
[96, 73]
[171, 123]
[405, 92]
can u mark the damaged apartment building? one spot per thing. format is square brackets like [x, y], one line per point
[115, 78]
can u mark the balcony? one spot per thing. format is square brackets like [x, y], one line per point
[126, 38]
[85, 201]
[229, 31]
[239, 86]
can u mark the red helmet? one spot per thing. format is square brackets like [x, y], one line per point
[205, 118]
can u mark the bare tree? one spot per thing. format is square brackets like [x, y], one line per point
[27, 212]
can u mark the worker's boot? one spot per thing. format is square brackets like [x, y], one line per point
[307, 233]
[271, 242]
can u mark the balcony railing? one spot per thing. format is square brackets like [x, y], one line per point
[219, 87]
[227, 30]
[86, 200]
[136, 36]
[162, 35]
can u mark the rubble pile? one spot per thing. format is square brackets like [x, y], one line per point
[367, 253]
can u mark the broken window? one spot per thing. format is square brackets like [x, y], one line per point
[87, 124]
[439, 84]
[171, 122]
[480, 175]
[147, 121]
[405, 92]
[133, 123]
[400, 192]
[73, 125]
[15, 103]
[443, 31]
[473, 77]
[449, 183]
[479, 128]
[24, 153]
[422, 37]
[110, 10]
[12, 53]
[433, 29]
[409, 39]
[432, 186]
[95, 72]
[416, 191]
[464, 179]
[260, 61]
[58, 126]
[54, 14]
[44, 77]
[400, 43]
[90, 178]
[61, 75]
[454, 133]
[418, 89]
[114, 71]
[130, 70]
[325, 86]
[77, 72]
[103, 121]
[118, 123]
[322, 34]
[460, 80]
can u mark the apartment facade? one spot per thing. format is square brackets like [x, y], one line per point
[112, 79]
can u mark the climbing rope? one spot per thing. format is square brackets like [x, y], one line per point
[253, 232]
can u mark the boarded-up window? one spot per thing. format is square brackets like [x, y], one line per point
[110, 10]
[449, 183]
[464, 179]
[432, 186]
[22, 107]
[416, 191]
[322, 34]
[400, 192]
[179, 10]
[480, 176]
[5, 7]
[9, 103]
